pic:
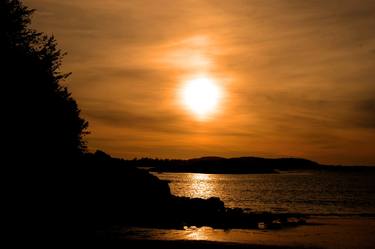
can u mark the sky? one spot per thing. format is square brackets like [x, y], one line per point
[296, 78]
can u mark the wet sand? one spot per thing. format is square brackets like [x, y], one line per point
[191, 244]
[320, 232]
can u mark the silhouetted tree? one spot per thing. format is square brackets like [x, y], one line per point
[42, 120]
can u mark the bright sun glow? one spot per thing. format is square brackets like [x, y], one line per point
[201, 96]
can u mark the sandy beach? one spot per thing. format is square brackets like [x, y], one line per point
[197, 244]
[320, 232]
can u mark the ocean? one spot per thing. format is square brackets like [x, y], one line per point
[341, 208]
[311, 193]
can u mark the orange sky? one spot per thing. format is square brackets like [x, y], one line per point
[298, 77]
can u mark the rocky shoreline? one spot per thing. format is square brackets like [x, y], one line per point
[125, 195]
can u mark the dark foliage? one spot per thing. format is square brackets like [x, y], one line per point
[42, 133]
[42, 119]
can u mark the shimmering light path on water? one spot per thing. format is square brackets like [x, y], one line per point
[304, 192]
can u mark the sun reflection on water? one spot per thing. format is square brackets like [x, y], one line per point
[202, 185]
[201, 233]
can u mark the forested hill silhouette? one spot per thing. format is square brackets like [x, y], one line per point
[240, 165]
[237, 165]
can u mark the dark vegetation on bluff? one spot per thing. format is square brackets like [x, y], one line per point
[42, 119]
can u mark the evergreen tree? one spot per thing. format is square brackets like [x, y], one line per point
[42, 120]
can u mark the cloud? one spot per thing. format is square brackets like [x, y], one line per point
[365, 114]
[298, 75]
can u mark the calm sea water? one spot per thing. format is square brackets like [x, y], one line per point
[304, 192]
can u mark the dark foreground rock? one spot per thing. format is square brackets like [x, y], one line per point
[68, 202]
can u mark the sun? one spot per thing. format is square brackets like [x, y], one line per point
[201, 96]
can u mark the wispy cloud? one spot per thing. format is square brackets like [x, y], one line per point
[298, 75]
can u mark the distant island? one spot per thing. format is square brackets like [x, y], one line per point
[237, 165]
